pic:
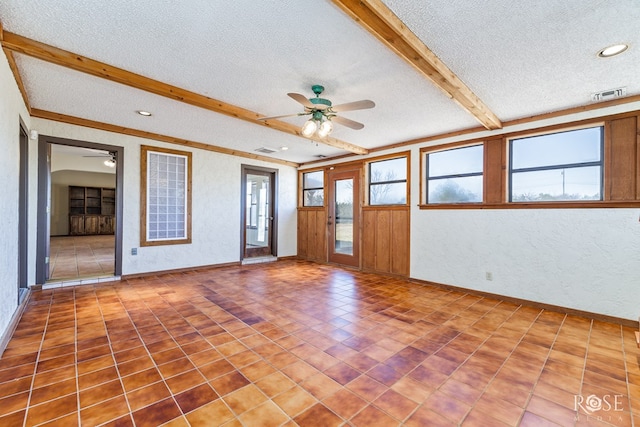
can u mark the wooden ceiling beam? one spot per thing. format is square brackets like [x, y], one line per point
[382, 23]
[16, 43]
[63, 118]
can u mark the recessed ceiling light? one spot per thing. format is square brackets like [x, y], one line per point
[284, 148]
[143, 113]
[613, 50]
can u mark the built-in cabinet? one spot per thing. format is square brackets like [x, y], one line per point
[91, 210]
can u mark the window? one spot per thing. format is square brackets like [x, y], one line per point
[313, 188]
[558, 166]
[455, 175]
[388, 182]
[166, 196]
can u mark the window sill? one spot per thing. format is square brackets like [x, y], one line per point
[536, 205]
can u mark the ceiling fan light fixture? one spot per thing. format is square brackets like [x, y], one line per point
[309, 128]
[325, 128]
[110, 163]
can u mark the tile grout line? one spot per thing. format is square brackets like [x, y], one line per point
[546, 360]
[35, 367]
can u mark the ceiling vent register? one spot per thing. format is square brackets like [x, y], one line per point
[609, 94]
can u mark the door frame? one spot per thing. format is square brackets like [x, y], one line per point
[337, 258]
[23, 215]
[44, 192]
[273, 200]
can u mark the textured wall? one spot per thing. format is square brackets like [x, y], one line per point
[11, 109]
[215, 204]
[586, 259]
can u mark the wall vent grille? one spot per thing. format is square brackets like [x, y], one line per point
[609, 94]
[266, 150]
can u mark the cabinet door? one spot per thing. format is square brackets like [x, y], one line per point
[76, 225]
[91, 224]
[106, 224]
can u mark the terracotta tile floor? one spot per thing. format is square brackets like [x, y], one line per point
[294, 343]
[74, 257]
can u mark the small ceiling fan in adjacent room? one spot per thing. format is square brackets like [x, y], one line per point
[323, 113]
[111, 158]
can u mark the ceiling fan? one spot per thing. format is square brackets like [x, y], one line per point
[111, 158]
[323, 113]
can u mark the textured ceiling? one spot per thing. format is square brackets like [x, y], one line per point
[519, 58]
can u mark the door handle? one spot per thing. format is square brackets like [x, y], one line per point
[329, 223]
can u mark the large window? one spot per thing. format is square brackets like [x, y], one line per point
[166, 196]
[388, 182]
[555, 167]
[313, 188]
[455, 175]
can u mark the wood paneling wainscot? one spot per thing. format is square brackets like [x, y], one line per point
[385, 240]
[312, 234]
[624, 158]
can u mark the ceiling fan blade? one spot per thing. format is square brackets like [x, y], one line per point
[280, 117]
[350, 106]
[347, 122]
[301, 99]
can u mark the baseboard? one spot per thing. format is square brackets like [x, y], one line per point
[13, 324]
[534, 304]
[177, 270]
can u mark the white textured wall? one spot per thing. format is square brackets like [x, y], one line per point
[11, 110]
[585, 259]
[216, 196]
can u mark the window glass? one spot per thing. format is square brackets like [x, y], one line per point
[455, 176]
[388, 182]
[166, 196]
[313, 188]
[557, 167]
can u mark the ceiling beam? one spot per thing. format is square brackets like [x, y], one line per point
[63, 118]
[16, 43]
[381, 22]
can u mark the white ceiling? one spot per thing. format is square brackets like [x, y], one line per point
[520, 59]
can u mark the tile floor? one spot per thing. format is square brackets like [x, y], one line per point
[294, 343]
[74, 257]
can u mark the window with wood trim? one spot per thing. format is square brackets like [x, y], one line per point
[387, 181]
[313, 188]
[455, 175]
[165, 196]
[561, 166]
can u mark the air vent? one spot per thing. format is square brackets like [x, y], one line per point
[266, 150]
[609, 94]
[320, 156]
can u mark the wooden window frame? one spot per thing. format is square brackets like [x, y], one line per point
[424, 179]
[144, 152]
[301, 188]
[367, 172]
[620, 157]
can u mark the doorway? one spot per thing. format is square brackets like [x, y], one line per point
[76, 246]
[259, 212]
[344, 217]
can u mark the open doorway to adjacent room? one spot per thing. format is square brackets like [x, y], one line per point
[81, 212]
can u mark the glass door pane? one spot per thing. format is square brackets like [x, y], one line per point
[343, 243]
[343, 217]
[258, 215]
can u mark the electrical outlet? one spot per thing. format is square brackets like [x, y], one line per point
[488, 275]
[134, 251]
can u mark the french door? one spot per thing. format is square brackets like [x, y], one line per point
[344, 217]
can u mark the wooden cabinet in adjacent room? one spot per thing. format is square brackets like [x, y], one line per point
[91, 210]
